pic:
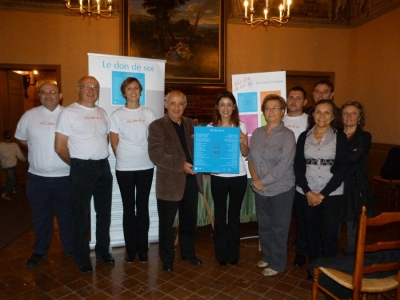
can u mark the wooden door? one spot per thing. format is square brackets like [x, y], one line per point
[12, 97]
[307, 80]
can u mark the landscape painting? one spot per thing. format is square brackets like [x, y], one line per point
[188, 34]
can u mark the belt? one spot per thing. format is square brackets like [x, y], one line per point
[88, 161]
[320, 162]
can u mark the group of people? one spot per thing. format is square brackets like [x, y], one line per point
[312, 162]
[318, 175]
[317, 161]
[68, 166]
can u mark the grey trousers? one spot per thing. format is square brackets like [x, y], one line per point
[274, 216]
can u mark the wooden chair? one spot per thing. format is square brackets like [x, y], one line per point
[359, 285]
[387, 188]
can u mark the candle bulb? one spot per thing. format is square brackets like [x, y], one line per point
[266, 5]
[265, 13]
[98, 5]
[80, 6]
[246, 3]
[280, 11]
[288, 7]
[251, 6]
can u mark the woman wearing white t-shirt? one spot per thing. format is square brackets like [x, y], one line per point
[227, 235]
[134, 169]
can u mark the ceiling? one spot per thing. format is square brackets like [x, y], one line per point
[303, 13]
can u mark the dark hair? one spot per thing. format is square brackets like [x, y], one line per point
[235, 113]
[337, 120]
[7, 135]
[127, 82]
[282, 102]
[360, 107]
[299, 88]
[324, 81]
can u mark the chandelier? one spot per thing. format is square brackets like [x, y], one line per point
[91, 9]
[250, 19]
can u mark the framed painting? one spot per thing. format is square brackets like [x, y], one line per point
[188, 34]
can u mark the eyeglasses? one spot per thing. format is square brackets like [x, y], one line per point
[274, 109]
[52, 92]
[90, 87]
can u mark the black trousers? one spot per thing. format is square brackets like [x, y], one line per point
[322, 226]
[135, 189]
[227, 228]
[187, 208]
[301, 238]
[91, 178]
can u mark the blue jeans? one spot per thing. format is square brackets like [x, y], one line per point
[12, 180]
[91, 178]
[48, 196]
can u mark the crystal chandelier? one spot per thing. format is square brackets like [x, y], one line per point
[91, 9]
[250, 19]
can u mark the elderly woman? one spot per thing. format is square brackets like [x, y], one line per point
[272, 150]
[227, 234]
[356, 186]
[320, 167]
[134, 169]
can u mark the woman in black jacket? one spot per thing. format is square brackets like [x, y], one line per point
[320, 167]
[356, 187]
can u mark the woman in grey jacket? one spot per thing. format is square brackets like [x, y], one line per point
[272, 151]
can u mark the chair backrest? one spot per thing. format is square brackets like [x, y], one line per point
[362, 248]
[391, 167]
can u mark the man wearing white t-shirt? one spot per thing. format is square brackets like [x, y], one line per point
[296, 120]
[82, 142]
[48, 186]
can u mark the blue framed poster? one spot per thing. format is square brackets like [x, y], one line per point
[216, 149]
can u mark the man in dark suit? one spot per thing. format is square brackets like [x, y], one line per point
[170, 144]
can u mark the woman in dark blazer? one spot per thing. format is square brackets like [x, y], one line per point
[356, 187]
[320, 167]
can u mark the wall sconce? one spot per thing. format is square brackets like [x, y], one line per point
[27, 81]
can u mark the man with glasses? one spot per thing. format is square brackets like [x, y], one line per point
[82, 142]
[48, 186]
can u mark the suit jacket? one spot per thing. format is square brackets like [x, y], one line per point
[356, 186]
[165, 151]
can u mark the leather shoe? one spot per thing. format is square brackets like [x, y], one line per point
[195, 261]
[106, 258]
[299, 260]
[168, 267]
[143, 257]
[233, 262]
[34, 260]
[86, 267]
[129, 259]
[222, 262]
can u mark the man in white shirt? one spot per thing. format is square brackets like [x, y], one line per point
[48, 186]
[82, 142]
[296, 120]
